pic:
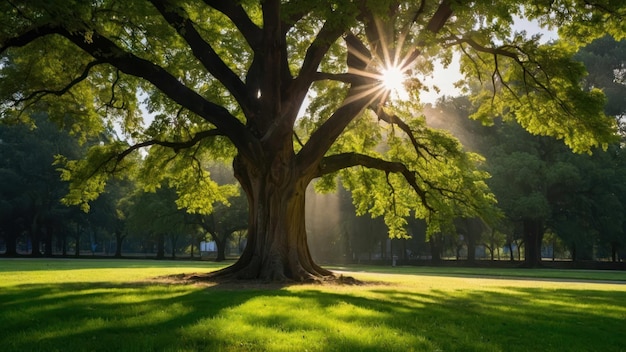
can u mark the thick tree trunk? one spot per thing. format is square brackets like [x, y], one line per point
[277, 248]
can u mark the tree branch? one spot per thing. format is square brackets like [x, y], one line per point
[514, 55]
[176, 146]
[316, 52]
[334, 163]
[236, 13]
[351, 78]
[294, 11]
[363, 92]
[103, 49]
[41, 93]
[358, 98]
[27, 37]
[441, 16]
[298, 88]
[203, 51]
[395, 120]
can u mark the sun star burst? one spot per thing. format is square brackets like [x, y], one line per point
[392, 80]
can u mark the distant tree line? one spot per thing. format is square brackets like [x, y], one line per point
[125, 219]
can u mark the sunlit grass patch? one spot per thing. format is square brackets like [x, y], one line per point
[16, 271]
[111, 306]
[306, 319]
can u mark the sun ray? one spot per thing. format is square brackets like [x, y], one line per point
[395, 66]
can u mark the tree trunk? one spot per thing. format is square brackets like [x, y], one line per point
[220, 243]
[48, 241]
[64, 244]
[160, 254]
[435, 249]
[173, 242]
[10, 240]
[533, 235]
[471, 247]
[277, 248]
[119, 238]
[77, 246]
[34, 239]
[77, 242]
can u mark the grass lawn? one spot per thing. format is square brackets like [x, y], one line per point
[109, 305]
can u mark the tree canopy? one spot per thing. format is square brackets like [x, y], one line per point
[292, 91]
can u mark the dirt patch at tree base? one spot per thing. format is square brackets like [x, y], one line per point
[229, 283]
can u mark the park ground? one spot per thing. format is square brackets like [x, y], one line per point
[127, 305]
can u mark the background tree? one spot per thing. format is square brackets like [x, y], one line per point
[31, 189]
[156, 216]
[605, 59]
[229, 79]
[223, 221]
[110, 210]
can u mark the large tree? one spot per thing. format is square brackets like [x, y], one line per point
[230, 79]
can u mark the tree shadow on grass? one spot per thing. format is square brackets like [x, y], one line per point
[149, 317]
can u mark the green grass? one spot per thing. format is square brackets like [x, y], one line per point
[107, 305]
